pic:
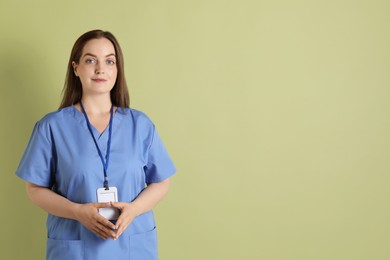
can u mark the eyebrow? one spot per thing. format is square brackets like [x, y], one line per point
[93, 55]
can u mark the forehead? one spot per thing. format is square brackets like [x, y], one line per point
[99, 47]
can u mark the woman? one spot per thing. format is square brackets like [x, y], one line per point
[95, 144]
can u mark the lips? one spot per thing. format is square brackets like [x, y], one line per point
[99, 80]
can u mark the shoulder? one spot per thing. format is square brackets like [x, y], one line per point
[137, 117]
[56, 117]
[44, 127]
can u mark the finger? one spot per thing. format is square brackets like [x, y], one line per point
[98, 232]
[122, 224]
[100, 205]
[120, 221]
[118, 225]
[103, 230]
[118, 205]
[101, 235]
[121, 229]
[99, 218]
[106, 223]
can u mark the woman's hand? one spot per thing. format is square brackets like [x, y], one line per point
[128, 213]
[88, 215]
[144, 202]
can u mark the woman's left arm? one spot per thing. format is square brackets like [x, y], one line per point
[145, 201]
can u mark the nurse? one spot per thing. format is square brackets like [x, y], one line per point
[96, 147]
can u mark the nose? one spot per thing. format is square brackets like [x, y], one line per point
[99, 69]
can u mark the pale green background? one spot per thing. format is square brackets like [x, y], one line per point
[276, 114]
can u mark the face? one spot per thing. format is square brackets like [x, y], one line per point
[97, 68]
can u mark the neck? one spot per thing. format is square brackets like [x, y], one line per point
[97, 105]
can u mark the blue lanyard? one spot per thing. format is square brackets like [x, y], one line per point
[104, 163]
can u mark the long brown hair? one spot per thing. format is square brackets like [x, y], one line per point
[73, 91]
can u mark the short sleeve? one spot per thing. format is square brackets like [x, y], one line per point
[159, 165]
[38, 161]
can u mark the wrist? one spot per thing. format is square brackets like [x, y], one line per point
[74, 211]
[135, 208]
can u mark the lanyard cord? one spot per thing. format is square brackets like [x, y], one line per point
[104, 163]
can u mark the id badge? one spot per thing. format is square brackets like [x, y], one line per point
[110, 195]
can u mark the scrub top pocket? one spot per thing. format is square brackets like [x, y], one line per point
[144, 246]
[65, 249]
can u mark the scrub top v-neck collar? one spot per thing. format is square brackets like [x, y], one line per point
[117, 117]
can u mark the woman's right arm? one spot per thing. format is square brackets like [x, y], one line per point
[86, 214]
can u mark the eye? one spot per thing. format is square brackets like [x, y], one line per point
[90, 61]
[110, 62]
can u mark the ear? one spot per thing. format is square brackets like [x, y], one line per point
[74, 65]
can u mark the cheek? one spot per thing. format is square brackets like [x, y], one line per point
[114, 73]
[83, 71]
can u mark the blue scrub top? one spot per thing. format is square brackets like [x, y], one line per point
[61, 155]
